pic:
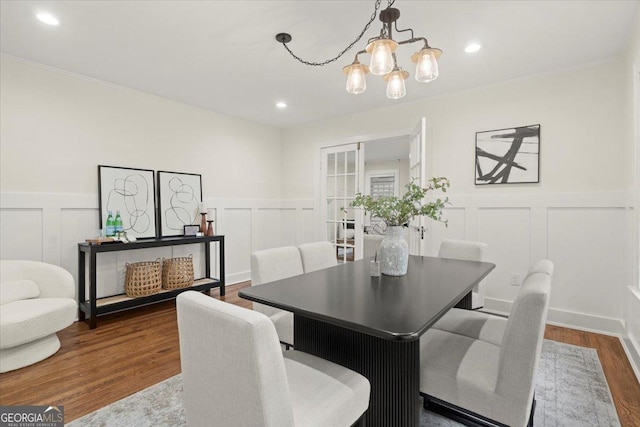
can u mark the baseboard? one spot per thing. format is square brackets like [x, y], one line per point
[568, 319]
[632, 350]
[232, 279]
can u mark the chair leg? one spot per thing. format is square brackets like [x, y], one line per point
[286, 345]
[533, 409]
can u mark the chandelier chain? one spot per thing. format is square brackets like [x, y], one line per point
[345, 50]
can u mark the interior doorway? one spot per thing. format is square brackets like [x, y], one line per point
[381, 165]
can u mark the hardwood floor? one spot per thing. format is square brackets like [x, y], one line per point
[133, 350]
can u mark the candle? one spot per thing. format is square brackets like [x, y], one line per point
[203, 208]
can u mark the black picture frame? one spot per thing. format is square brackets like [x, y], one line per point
[132, 192]
[508, 156]
[179, 199]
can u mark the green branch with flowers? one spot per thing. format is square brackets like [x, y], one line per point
[399, 210]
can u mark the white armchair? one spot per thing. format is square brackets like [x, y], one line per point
[263, 388]
[36, 301]
[275, 264]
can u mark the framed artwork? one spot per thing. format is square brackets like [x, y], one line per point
[191, 230]
[179, 198]
[131, 192]
[508, 156]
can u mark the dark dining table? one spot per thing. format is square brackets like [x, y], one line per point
[373, 324]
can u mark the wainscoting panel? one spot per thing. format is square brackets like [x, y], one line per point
[290, 232]
[238, 239]
[267, 229]
[21, 231]
[506, 231]
[587, 245]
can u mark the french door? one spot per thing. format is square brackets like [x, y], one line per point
[342, 168]
[417, 173]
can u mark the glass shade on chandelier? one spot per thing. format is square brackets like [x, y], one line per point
[356, 81]
[426, 64]
[381, 52]
[396, 88]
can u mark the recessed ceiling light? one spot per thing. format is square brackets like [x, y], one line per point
[281, 104]
[472, 47]
[47, 18]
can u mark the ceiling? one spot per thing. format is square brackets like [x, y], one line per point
[222, 55]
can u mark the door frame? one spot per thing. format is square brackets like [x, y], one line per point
[364, 138]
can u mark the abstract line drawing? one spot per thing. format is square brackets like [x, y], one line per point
[179, 200]
[508, 156]
[132, 193]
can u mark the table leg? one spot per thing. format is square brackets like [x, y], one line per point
[392, 368]
[466, 302]
[93, 276]
[81, 284]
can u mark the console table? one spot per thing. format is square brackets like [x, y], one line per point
[93, 306]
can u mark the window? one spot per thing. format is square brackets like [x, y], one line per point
[380, 183]
[383, 186]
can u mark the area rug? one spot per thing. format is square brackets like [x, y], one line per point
[571, 391]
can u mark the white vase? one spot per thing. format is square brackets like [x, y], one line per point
[394, 253]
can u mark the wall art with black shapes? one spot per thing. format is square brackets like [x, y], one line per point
[508, 156]
[179, 198]
[131, 192]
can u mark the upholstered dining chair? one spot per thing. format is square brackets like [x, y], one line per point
[317, 255]
[490, 378]
[275, 264]
[235, 374]
[468, 251]
[484, 326]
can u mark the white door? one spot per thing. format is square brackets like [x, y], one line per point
[417, 172]
[341, 178]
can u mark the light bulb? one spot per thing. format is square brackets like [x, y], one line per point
[395, 84]
[356, 81]
[381, 52]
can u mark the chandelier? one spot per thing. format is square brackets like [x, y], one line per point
[382, 52]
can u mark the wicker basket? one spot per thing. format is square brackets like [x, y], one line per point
[177, 272]
[143, 278]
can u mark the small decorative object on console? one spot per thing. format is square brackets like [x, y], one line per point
[191, 230]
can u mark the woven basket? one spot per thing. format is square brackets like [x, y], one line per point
[177, 272]
[143, 278]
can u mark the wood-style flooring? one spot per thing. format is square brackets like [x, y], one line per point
[133, 350]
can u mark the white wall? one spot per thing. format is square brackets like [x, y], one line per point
[578, 215]
[632, 126]
[55, 128]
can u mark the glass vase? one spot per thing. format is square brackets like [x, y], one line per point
[394, 252]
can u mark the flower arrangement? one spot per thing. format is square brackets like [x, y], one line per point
[396, 211]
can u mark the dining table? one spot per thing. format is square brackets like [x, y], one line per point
[373, 325]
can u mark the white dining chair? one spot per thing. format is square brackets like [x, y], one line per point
[274, 264]
[468, 251]
[317, 255]
[235, 374]
[490, 377]
[480, 325]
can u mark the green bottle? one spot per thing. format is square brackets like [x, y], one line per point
[118, 223]
[110, 228]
